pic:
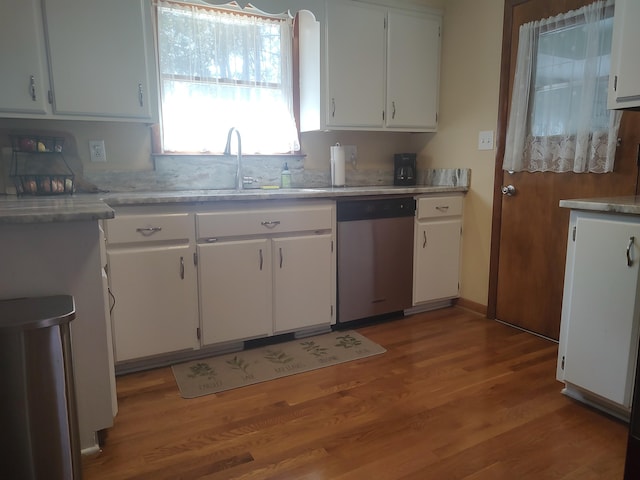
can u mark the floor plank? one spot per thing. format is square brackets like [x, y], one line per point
[456, 396]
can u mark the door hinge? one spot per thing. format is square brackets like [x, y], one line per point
[195, 258]
[198, 333]
[562, 363]
[573, 233]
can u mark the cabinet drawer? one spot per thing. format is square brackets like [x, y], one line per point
[263, 222]
[434, 207]
[149, 228]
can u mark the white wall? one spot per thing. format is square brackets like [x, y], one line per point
[469, 89]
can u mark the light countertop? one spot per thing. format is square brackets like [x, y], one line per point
[82, 207]
[627, 205]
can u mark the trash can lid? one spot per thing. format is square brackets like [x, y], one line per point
[36, 312]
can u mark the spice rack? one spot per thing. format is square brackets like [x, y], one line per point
[38, 166]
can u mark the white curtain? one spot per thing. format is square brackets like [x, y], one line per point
[222, 69]
[558, 120]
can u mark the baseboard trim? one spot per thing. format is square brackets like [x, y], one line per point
[470, 305]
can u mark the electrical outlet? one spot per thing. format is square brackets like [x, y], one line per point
[97, 151]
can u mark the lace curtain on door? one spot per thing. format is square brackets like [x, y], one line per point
[559, 120]
[223, 68]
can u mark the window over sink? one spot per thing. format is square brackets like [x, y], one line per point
[223, 67]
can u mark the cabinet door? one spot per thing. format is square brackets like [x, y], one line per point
[235, 290]
[355, 65]
[23, 76]
[624, 81]
[156, 303]
[413, 58]
[99, 57]
[302, 282]
[436, 260]
[602, 329]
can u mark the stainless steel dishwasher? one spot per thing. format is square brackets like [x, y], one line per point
[375, 257]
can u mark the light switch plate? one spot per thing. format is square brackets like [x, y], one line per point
[485, 140]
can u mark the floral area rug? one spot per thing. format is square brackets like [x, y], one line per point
[216, 374]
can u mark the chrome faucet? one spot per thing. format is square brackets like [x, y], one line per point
[227, 151]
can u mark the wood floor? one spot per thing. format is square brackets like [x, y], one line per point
[455, 396]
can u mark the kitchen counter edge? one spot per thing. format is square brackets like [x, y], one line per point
[82, 207]
[629, 205]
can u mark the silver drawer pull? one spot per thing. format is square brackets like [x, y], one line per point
[442, 208]
[270, 224]
[148, 231]
[629, 259]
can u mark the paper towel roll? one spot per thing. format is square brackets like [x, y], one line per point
[337, 165]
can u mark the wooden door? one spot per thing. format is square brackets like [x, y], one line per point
[529, 228]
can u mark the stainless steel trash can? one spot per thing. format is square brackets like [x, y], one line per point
[39, 437]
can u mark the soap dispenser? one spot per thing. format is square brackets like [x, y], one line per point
[285, 177]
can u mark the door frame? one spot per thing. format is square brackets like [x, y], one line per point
[501, 133]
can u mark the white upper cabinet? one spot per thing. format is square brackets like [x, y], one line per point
[99, 57]
[370, 67]
[624, 80]
[23, 76]
[99, 62]
[413, 73]
[355, 65]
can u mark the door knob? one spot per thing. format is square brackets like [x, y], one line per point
[508, 190]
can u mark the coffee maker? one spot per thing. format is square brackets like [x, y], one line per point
[404, 169]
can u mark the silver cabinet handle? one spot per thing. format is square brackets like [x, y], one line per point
[148, 231]
[140, 95]
[629, 259]
[32, 87]
[333, 107]
[280, 257]
[270, 224]
[442, 208]
[393, 113]
[182, 268]
[424, 242]
[261, 260]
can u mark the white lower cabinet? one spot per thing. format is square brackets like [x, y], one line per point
[302, 282]
[152, 278]
[438, 235]
[599, 328]
[265, 269]
[234, 280]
